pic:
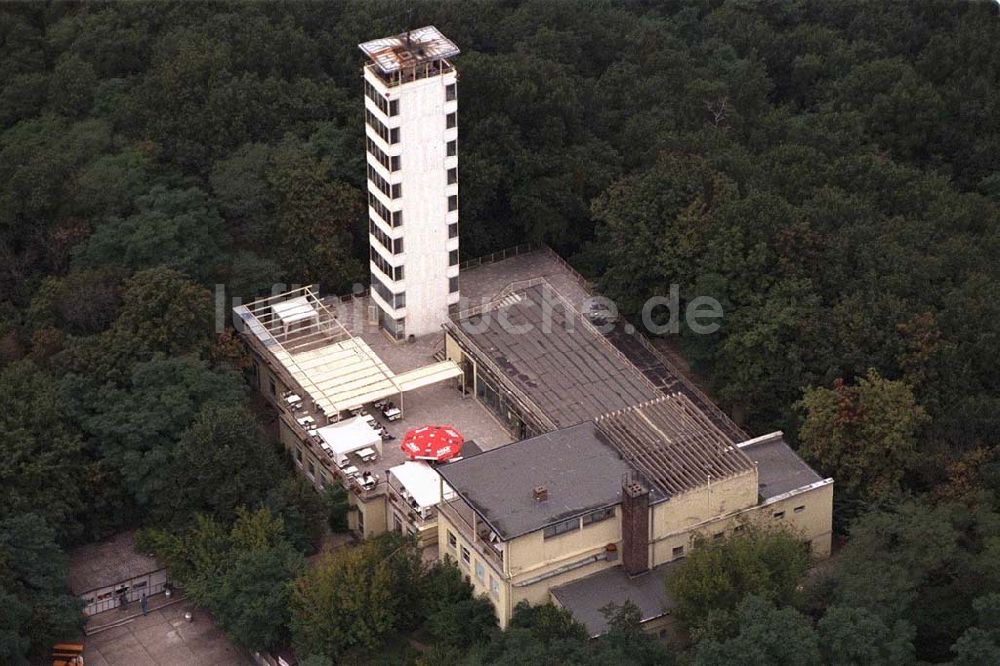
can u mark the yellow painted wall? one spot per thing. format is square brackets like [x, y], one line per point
[674, 520]
[533, 554]
[499, 597]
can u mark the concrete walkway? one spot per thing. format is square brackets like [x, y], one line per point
[161, 638]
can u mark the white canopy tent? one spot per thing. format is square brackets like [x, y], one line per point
[348, 436]
[422, 483]
[293, 311]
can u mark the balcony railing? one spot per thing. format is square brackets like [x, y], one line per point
[479, 538]
[415, 73]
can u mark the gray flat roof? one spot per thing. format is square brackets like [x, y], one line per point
[578, 469]
[107, 562]
[548, 351]
[779, 468]
[585, 597]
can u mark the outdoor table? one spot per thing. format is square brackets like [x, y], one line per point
[293, 399]
[367, 454]
[350, 470]
[393, 414]
[306, 421]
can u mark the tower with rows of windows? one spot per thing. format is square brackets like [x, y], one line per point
[411, 134]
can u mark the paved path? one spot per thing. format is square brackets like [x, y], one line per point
[162, 638]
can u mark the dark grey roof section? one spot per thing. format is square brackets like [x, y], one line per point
[779, 468]
[585, 597]
[579, 471]
[551, 354]
[107, 562]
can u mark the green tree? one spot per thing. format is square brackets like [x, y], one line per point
[43, 465]
[720, 573]
[981, 644]
[353, 598]
[250, 601]
[856, 636]
[864, 435]
[33, 573]
[179, 229]
[764, 634]
[226, 461]
[164, 311]
[626, 642]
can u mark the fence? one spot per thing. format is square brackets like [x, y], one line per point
[499, 255]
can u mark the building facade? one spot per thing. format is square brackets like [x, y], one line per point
[411, 134]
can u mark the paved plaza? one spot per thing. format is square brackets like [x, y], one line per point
[162, 638]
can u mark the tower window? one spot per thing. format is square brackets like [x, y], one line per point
[450, 92]
[453, 258]
[394, 107]
[397, 218]
[394, 135]
[452, 148]
[397, 191]
[452, 175]
[397, 245]
[451, 120]
[394, 163]
[453, 230]
[453, 202]
[452, 285]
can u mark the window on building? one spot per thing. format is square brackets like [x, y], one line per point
[452, 284]
[453, 230]
[312, 470]
[453, 202]
[323, 480]
[561, 528]
[361, 522]
[397, 218]
[274, 389]
[800, 509]
[452, 175]
[394, 135]
[678, 552]
[397, 191]
[480, 571]
[298, 455]
[453, 258]
[394, 163]
[599, 515]
[394, 107]
[451, 120]
[452, 540]
[452, 148]
[397, 245]
[494, 587]
[450, 92]
[465, 555]
[779, 515]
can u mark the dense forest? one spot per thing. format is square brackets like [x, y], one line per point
[828, 171]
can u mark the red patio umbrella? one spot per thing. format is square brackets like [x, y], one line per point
[432, 443]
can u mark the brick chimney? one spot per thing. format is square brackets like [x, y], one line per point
[635, 524]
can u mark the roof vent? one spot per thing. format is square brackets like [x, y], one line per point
[541, 493]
